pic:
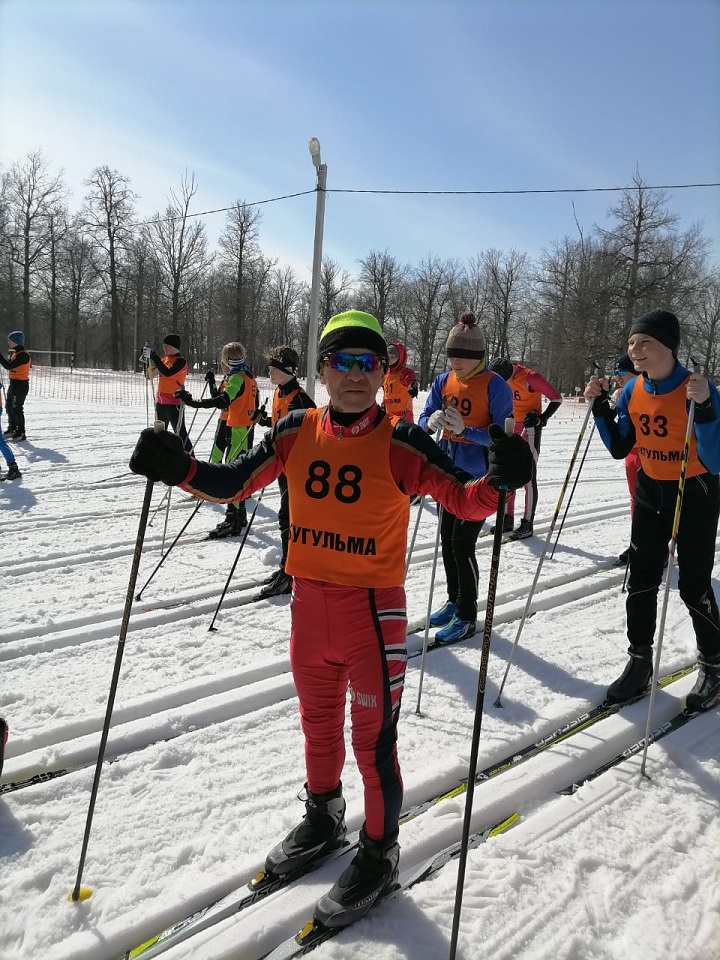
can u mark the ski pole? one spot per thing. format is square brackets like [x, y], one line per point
[572, 492]
[235, 561]
[197, 408]
[480, 701]
[167, 516]
[78, 892]
[414, 536]
[668, 574]
[138, 596]
[429, 609]
[498, 699]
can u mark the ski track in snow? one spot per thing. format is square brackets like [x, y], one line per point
[207, 751]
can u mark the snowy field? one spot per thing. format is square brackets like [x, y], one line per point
[207, 755]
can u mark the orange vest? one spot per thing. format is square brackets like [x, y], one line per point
[471, 399]
[397, 399]
[23, 371]
[348, 517]
[525, 400]
[168, 385]
[241, 410]
[660, 422]
[281, 405]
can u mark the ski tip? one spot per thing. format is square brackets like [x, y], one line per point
[83, 893]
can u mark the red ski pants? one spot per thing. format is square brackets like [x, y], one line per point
[351, 637]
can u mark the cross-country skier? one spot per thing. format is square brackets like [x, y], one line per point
[350, 475]
[652, 412]
[528, 388]
[289, 395]
[400, 385]
[463, 403]
[236, 398]
[172, 369]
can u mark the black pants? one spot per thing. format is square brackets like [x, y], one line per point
[651, 531]
[284, 518]
[173, 415]
[458, 539]
[17, 391]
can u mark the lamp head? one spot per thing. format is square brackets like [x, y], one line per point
[314, 148]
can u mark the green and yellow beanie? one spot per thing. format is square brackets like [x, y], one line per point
[352, 329]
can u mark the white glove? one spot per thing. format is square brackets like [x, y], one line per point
[436, 421]
[146, 353]
[453, 421]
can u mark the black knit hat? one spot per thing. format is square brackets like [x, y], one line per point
[466, 339]
[660, 324]
[502, 367]
[285, 359]
[172, 340]
[623, 364]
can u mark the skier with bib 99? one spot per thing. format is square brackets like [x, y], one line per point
[652, 412]
[350, 474]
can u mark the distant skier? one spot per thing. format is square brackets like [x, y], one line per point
[172, 369]
[528, 388]
[289, 395]
[400, 385]
[350, 475]
[463, 403]
[652, 412]
[236, 398]
[13, 471]
[18, 365]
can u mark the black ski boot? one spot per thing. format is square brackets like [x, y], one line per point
[13, 472]
[280, 585]
[524, 530]
[322, 830]
[706, 692]
[231, 526]
[508, 524]
[372, 874]
[634, 678]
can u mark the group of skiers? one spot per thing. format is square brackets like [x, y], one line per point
[350, 470]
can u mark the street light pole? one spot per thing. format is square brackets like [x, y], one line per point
[321, 170]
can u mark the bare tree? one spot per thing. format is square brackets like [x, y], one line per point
[33, 194]
[380, 278]
[239, 250]
[107, 215]
[179, 246]
[429, 298]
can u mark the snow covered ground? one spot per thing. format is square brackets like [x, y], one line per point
[207, 752]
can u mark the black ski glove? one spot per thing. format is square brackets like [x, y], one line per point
[160, 456]
[510, 460]
[186, 398]
[210, 376]
[601, 406]
[534, 420]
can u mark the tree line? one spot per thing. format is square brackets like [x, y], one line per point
[98, 282]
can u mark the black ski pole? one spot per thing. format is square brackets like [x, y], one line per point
[480, 701]
[572, 491]
[78, 892]
[235, 561]
[164, 557]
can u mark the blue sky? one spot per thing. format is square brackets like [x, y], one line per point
[402, 94]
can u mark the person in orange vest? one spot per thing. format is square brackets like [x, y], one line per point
[18, 366]
[350, 473]
[624, 372]
[528, 388]
[13, 471]
[652, 412]
[236, 398]
[289, 395]
[462, 404]
[400, 385]
[172, 369]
